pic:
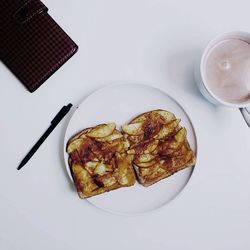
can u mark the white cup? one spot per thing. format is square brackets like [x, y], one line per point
[201, 80]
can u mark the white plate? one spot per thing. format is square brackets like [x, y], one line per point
[120, 103]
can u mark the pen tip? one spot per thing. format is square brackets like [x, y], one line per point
[20, 166]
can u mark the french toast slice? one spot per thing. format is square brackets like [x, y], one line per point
[158, 145]
[98, 160]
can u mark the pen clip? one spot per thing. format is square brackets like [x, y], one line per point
[61, 113]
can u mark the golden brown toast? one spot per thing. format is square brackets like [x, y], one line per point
[98, 160]
[158, 145]
[153, 145]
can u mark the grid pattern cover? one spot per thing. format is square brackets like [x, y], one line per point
[32, 45]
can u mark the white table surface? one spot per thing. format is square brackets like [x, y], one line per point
[150, 41]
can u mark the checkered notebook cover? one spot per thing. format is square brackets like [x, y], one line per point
[32, 45]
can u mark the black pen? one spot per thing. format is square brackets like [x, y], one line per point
[64, 110]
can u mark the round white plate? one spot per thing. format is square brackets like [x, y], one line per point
[120, 103]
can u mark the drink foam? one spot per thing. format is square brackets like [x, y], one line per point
[227, 70]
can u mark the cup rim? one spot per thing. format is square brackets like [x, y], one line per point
[212, 42]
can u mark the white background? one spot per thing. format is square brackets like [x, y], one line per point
[152, 41]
